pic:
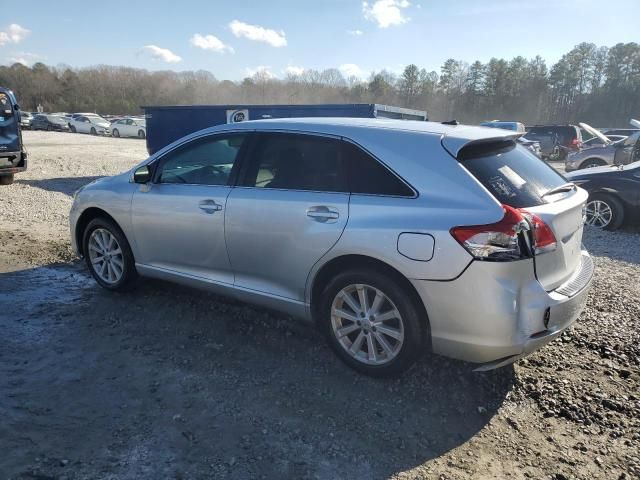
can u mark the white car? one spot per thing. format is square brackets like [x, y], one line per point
[90, 123]
[129, 127]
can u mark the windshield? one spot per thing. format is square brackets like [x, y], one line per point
[56, 119]
[511, 173]
[96, 119]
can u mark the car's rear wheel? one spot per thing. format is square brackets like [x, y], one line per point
[141, 134]
[371, 322]
[6, 179]
[604, 211]
[592, 163]
[115, 133]
[108, 255]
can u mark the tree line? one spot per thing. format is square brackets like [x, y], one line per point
[597, 85]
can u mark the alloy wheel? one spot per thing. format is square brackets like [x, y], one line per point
[106, 256]
[367, 325]
[598, 213]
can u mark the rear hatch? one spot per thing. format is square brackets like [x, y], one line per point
[519, 179]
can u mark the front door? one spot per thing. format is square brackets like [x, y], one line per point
[289, 210]
[178, 218]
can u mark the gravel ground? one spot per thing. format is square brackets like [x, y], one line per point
[168, 382]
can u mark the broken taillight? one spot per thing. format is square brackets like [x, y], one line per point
[518, 235]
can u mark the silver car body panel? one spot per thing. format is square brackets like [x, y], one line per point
[263, 246]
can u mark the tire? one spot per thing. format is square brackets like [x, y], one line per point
[72, 129]
[6, 179]
[49, 128]
[597, 208]
[123, 261]
[93, 131]
[141, 134]
[115, 133]
[410, 324]
[592, 163]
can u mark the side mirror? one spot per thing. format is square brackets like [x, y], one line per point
[142, 175]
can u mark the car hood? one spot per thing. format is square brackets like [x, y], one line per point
[588, 172]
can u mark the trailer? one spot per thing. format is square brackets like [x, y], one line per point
[165, 124]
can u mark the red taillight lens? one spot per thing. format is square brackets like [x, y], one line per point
[543, 238]
[505, 241]
[498, 241]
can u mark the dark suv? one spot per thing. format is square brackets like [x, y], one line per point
[556, 141]
[13, 158]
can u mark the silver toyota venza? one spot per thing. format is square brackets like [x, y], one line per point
[394, 237]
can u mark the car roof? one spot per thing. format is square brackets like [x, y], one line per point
[454, 137]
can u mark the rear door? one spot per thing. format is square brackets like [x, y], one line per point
[519, 179]
[288, 211]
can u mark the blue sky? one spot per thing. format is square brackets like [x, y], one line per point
[235, 38]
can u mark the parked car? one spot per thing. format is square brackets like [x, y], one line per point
[595, 141]
[513, 126]
[532, 145]
[613, 153]
[620, 131]
[13, 158]
[614, 194]
[25, 120]
[129, 127]
[49, 122]
[90, 123]
[556, 141]
[475, 253]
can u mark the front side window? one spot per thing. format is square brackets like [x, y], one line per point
[203, 161]
[296, 162]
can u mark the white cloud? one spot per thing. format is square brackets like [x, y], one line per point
[386, 13]
[355, 33]
[293, 70]
[14, 33]
[25, 58]
[163, 54]
[261, 70]
[352, 70]
[258, 33]
[210, 42]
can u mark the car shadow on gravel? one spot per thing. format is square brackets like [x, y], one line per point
[66, 185]
[168, 381]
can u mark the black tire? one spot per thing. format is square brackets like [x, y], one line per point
[49, 128]
[592, 162]
[130, 274]
[72, 129]
[115, 133]
[413, 318]
[93, 131]
[6, 179]
[141, 134]
[617, 209]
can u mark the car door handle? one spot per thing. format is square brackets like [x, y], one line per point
[209, 206]
[323, 214]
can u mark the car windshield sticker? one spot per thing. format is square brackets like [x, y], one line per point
[515, 179]
[500, 187]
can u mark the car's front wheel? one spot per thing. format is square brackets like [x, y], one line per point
[592, 163]
[115, 133]
[604, 211]
[108, 255]
[93, 131]
[72, 129]
[6, 179]
[141, 134]
[372, 323]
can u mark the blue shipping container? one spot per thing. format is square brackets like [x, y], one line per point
[167, 124]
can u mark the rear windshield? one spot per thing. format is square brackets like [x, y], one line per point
[510, 172]
[565, 133]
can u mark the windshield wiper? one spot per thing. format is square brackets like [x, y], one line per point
[566, 187]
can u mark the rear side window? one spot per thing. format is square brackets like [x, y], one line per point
[368, 176]
[296, 162]
[510, 172]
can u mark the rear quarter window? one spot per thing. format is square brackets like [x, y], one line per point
[512, 174]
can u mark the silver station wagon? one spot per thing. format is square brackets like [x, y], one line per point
[393, 237]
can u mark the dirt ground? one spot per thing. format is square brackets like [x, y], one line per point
[168, 382]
